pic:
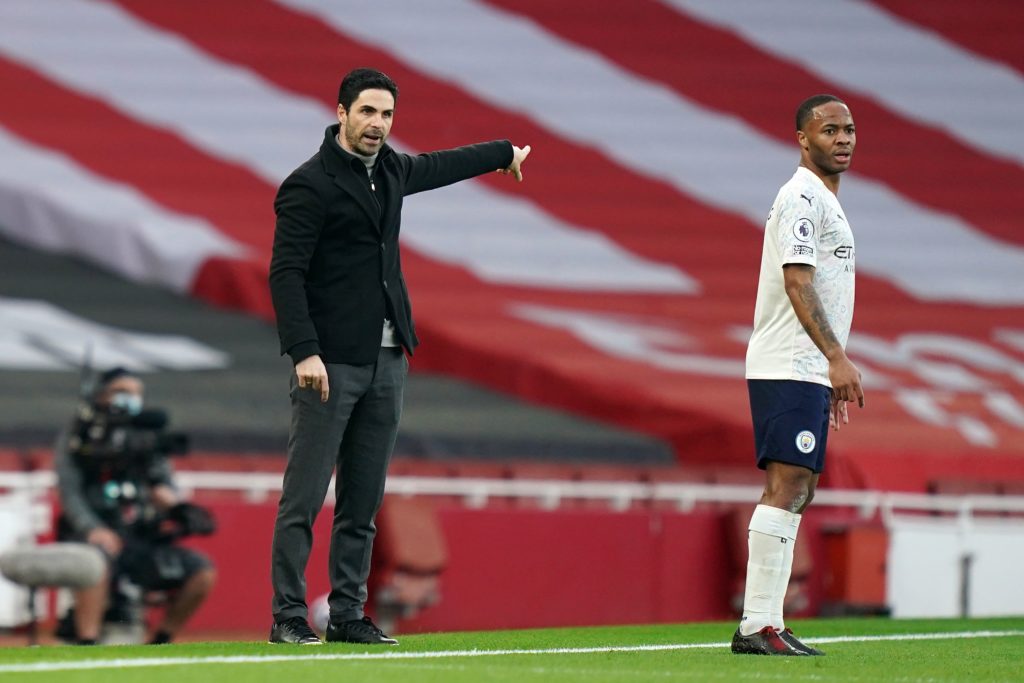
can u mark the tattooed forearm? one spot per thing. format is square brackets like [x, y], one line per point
[814, 320]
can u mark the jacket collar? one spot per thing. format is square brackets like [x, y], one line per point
[349, 173]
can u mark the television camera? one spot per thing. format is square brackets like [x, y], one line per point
[118, 452]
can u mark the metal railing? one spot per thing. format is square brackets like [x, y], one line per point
[550, 493]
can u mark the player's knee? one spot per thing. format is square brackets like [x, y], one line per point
[797, 499]
[788, 487]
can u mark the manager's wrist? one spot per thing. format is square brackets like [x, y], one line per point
[303, 350]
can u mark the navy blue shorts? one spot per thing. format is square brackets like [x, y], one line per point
[790, 422]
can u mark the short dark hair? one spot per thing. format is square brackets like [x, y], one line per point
[806, 109]
[358, 80]
[107, 377]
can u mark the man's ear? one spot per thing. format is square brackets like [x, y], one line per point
[341, 113]
[801, 138]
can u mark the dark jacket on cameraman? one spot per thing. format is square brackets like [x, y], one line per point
[84, 503]
[335, 272]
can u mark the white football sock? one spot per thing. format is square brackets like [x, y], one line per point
[779, 597]
[769, 533]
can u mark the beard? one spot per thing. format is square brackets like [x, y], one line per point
[354, 138]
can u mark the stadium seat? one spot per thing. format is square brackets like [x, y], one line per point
[408, 557]
[855, 569]
[1012, 488]
[37, 458]
[418, 467]
[963, 487]
[480, 469]
[11, 460]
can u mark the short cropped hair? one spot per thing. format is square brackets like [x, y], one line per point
[806, 109]
[108, 376]
[358, 80]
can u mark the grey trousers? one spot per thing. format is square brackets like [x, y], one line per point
[355, 431]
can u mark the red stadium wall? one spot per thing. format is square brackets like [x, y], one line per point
[512, 567]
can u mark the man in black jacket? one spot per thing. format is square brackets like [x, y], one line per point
[344, 318]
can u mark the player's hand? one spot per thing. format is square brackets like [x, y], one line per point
[837, 415]
[846, 388]
[518, 157]
[107, 539]
[311, 372]
[845, 379]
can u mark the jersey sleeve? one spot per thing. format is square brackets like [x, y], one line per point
[798, 226]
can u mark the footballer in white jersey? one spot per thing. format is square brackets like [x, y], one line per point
[806, 225]
[798, 375]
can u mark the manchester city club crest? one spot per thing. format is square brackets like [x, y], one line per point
[805, 441]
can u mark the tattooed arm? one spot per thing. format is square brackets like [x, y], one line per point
[842, 373]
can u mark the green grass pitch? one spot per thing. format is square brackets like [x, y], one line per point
[861, 650]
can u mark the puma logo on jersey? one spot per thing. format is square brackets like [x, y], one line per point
[803, 196]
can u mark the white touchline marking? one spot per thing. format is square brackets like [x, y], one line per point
[30, 667]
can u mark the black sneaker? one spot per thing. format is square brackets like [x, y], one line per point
[295, 631]
[358, 631]
[66, 630]
[764, 642]
[787, 636]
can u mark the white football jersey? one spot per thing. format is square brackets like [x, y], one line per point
[806, 225]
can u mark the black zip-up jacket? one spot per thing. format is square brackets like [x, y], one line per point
[335, 271]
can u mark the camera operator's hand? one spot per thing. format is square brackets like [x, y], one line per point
[106, 539]
[164, 497]
[193, 519]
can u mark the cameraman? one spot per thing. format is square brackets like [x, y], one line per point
[116, 492]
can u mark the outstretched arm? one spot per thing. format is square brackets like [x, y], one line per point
[437, 169]
[842, 373]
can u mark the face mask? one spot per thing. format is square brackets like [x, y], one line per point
[123, 402]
